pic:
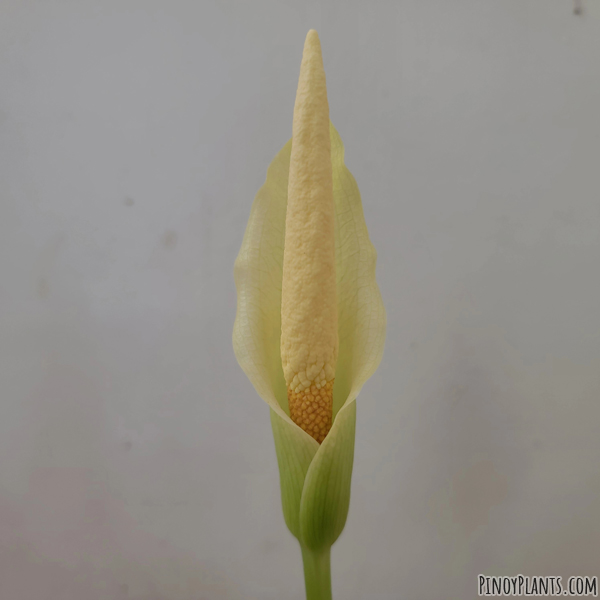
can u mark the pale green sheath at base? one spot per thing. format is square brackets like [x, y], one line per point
[315, 490]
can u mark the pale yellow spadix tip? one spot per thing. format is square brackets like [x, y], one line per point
[309, 337]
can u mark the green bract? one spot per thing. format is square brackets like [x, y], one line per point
[315, 479]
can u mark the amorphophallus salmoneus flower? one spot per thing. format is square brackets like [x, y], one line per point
[310, 323]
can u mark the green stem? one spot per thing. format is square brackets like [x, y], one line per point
[317, 573]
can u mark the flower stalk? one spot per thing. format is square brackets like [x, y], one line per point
[317, 573]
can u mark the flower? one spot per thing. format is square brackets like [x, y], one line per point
[310, 323]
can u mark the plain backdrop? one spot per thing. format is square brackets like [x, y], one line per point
[136, 460]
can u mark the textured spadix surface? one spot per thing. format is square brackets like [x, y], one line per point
[315, 480]
[309, 320]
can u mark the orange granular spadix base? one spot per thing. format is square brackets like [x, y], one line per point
[311, 409]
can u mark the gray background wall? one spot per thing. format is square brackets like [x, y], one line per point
[136, 460]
